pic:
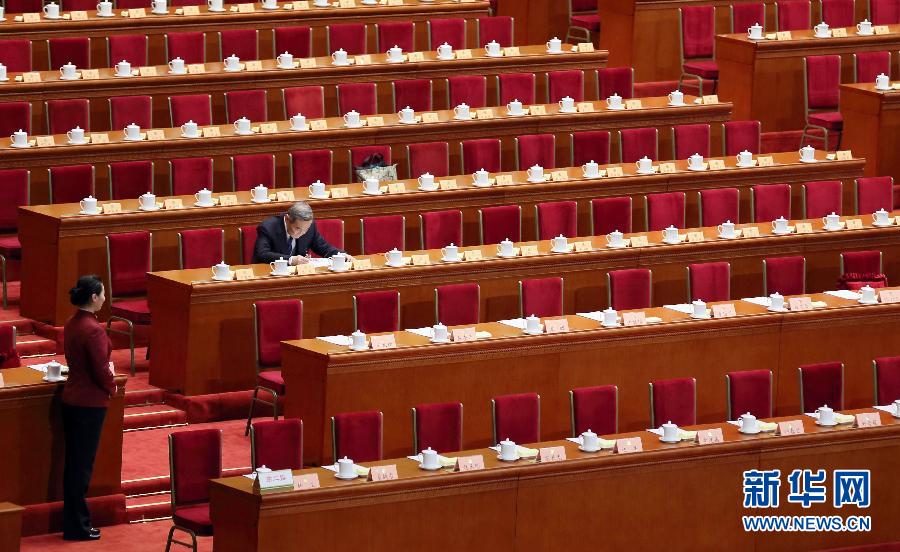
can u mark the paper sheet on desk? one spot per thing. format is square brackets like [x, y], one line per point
[761, 301]
[596, 316]
[889, 409]
[424, 332]
[604, 443]
[682, 308]
[42, 368]
[844, 294]
[343, 340]
[515, 323]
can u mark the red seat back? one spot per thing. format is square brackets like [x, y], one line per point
[130, 179]
[541, 297]
[277, 444]
[242, 43]
[295, 40]
[249, 171]
[457, 304]
[719, 205]
[595, 409]
[131, 48]
[565, 83]
[516, 86]
[557, 218]
[501, 223]
[481, 154]
[307, 166]
[196, 457]
[441, 228]
[536, 149]
[691, 139]
[771, 201]
[189, 175]
[673, 400]
[517, 417]
[664, 210]
[124, 110]
[822, 384]
[429, 157]
[71, 183]
[749, 391]
[785, 275]
[129, 256]
[246, 103]
[822, 198]
[590, 145]
[610, 214]
[710, 281]
[395, 33]
[357, 96]
[350, 37]
[467, 89]
[357, 435]
[276, 321]
[438, 426]
[377, 311]
[449, 31]
[887, 379]
[306, 100]
[630, 288]
[201, 247]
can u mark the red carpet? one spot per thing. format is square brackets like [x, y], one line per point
[130, 537]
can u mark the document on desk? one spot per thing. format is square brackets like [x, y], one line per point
[844, 294]
[342, 340]
[514, 322]
[761, 301]
[682, 308]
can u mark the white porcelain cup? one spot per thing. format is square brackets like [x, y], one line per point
[514, 107]
[883, 82]
[351, 118]
[427, 183]
[670, 235]
[19, 137]
[864, 27]
[532, 323]
[285, 60]
[615, 239]
[695, 161]
[676, 97]
[450, 252]
[159, 6]
[755, 31]
[104, 8]
[357, 340]
[867, 294]
[232, 63]
[614, 102]
[242, 125]
[88, 204]
[749, 423]
[76, 135]
[822, 30]
[780, 225]
[372, 186]
[395, 54]
[394, 257]
[744, 158]
[726, 229]
[263, 469]
[439, 332]
[54, 370]
[492, 48]
[339, 57]
[317, 189]
[776, 301]
[554, 45]
[897, 407]
[123, 69]
[461, 111]
[567, 104]
[214, 5]
[147, 201]
[279, 267]
[430, 459]
[176, 65]
[505, 248]
[481, 177]
[445, 51]
[535, 173]
[826, 415]
[270, 4]
[670, 432]
[51, 10]
[407, 115]
[644, 165]
[338, 262]
[560, 243]
[260, 193]
[807, 153]
[590, 169]
[832, 221]
[699, 309]
[610, 317]
[321, 3]
[132, 131]
[298, 122]
[345, 468]
[204, 197]
[590, 441]
[881, 217]
[190, 129]
[69, 70]
[3, 72]
[508, 450]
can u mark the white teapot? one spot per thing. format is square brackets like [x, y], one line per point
[221, 271]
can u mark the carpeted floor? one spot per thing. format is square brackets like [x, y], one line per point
[130, 537]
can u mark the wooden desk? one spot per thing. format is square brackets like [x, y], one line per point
[536, 21]
[156, 26]
[31, 436]
[202, 329]
[527, 506]
[10, 526]
[60, 245]
[764, 79]
[215, 80]
[872, 127]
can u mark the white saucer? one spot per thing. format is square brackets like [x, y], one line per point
[215, 11]
[396, 61]
[485, 185]
[247, 133]
[227, 70]
[422, 467]
[536, 181]
[784, 233]
[582, 449]
[336, 64]
[875, 224]
[198, 135]
[439, 58]
[17, 146]
[672, 242]
[342, 270]
[221, 279]
[354, 476]
[86, 213]
[127, 139]
[458, 118]
[670, 441]
[272, 8]
[865, 34]
[299, 129]
[354, 126]
[516, 459]
[751, 432]
[81, 143]
[260, 200]
[620, 108]
[493, 55]
[809, 161]
[318, 196]
[148, 210]
[704, 317]
[616, 325]
[291, 66]
[573, 110]
[818, 423]
[537, 332]
[554, 52]
[366, 348]
[279, 275]
[508, 114]
[611, 246]
[682, 104]
[178, 72]
[835, 229]
[883, 89]
[513, 256]
[372, 193]
[394, 265]
[118, 76]
[402, 122]
[105, 15]
[458, 259]
[740, 166]
[873, 302]
[198, 204]
[645, 172]
[69, 78]
[696, 170]
[159, 12]
[4, 80]
[440, 340]
[54, 380]
[53, 18]
[567, 250]
[760, 38]
[782, 309]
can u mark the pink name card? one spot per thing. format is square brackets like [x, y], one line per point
[890, 296]
[551, 454]
[306, 481]
[383, 473]
[634, 318]
[791, 427]
[868, 419]
[463, 334]
[798, 304]
[469, 463]
[629, 445]
[710, 436]
[723, 311]
[556, 326]
[383, 342]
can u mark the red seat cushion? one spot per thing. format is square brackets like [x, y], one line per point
[10, 247]
[196, 518]
[136, 310]
[831, 120]
[708, 69]
[586, 21]
[273, 380]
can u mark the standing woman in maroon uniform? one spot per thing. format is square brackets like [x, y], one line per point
[84, 402]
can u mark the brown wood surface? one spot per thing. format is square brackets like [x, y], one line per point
[872, 127]
[536, 21]
[10, 526]
[764, 79]
[202, 330]
[60, 245]
[32, 441]
[615, 502]
[155, 26]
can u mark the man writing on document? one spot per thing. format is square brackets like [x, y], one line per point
[291, 236]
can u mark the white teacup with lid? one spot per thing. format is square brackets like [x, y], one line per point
[177, 67]
[533, 324]
[123, 69]
[190, 129]
[461, 112]
[745, 159]
[726, 230]
[867, 295]
[321, 3]
[807, 154]
[698, 307]
[147, 202]
[559, 244]
[269, 4]
[821, 30]
[755, 32]
[445, 51]
[554, 45]
[615, 239]
[358, 341]
[614, 102]
[232, 63]
[509, 451]
[317, 190]
[514, 107]
[883, 82]
[864, 28]
[776, 302]
[430, 460]
[535, 173]
[285, 60]
[881, 218]
[279, 267]
[676, 97]
[439, 333]
[395, 54]
[450, 253]
[589, 441]
[242, 126]
[644, 165]
[19, 139]
[394, 257]
[338, 262]
[259, 194]
[481, 177]
[221, 271]
[215, 5]
[132, 131]
[298, 122]
[89, 205]
[780, 226]
[749, 424]
[69, 71]
[492, 49]
[427, 183]
[590, 169]
[204, 198]
[372, 186]
[407, 115]
[54, 371]
[506, 248]
[105, 9]
[610, 318]
[339, 57]
[567, 105]
[351, 119]
[670, 235]
[695, 162]
[826, 416]
[346, 469]
[51, 10]
[832, 221]
[159, 7]
[670, 433]
[76, 135]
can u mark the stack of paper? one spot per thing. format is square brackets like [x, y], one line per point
[342, 340]
[844, 294]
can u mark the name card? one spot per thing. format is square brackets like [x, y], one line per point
[628, 446]
[551, 454]
[584, 107]
[710, 436]
[461, 335]
[31, 17]
[307, 63]
[228, 199]
[1, 380]
[667, 168]
[469, 463]
[430, 117]
[765, 161]
[695, 237]
[556, 326]
[306, 481]
[383, 473]
[42, 141]
[881, 29]
[716, 164]
[633, 104]
[375, 121]
[639, 241]
[585, 47]
[304, 269]
[338, 193]
[347, 3]
[583, 246]
[362, 264]
[790, 427]
[854, 224]
[190, 10]
[147, 71]
[783, 35]
[318, 124]
[472, 255]
[31, 76]
[79, 15]
[538, 110]
[840, 32]
[511, 51]
[394, 2]
[559, 176]
[415, 57]
[484, 113]
[268, 128]
[383, 342]
[504, 179]
[112, 208]
[245, 8]
[211, 132]
[750, 232]
[868, 419]
[284, 195]
[253, 65]
[463, 54]
[244, 274]
[844, 155]
[136, 13]
[798, 304]
[421, 260]
[710, 99]
[804, 228]
[529, 250]
[396, 188]
[890, 296]
[634, 319]
[172, 204]
[723, 311]
[447, 184]
[274, 479]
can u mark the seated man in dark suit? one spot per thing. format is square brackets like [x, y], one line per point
[290, 236]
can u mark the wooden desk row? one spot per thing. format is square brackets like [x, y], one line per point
[202, 330]
[680, 497]
[764, 78]
[60, 245]
[872, 127]
[156, 26]
[31, 437]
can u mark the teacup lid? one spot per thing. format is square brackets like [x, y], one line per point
[537, 167]
[776, 294]
[669, 424]
[54, 363]
[439, 325]
[610, 310]
[358, 333]
[426, 174]
[698, 302]
[506, 240]
[429, 450]
[748, 416]
[222, 264]
[345, 460]
[281, 260]
[507, 441]
[260, 187]
[452, 245]
[263, 469]
[532, 317]
[493, 42]
[589, 433]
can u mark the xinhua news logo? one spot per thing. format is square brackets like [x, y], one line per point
[762, 490]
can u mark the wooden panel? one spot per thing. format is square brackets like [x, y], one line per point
[10, 526]
[872, 127]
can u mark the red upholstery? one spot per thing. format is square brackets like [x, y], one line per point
[196, 457]
[536, 149]
[239, 42]
[609, 214]
[793, 15]
[635, 143]
[771, 202]
[9, 358]
[14, 116]
[307, 166]
[377, 311]
[710, 282]
[449, 31]
[357, 96]
[501, 223]
[70, 5]
[276, 321]
[135, 310]
[357, 435]
[884, 12]
[246, 103]
[704, 68]
[565, 83]
[861, 268]
[194, 107]
[202, 247]
[124, 110]
[675, 401]
[306, 100]
[785, 275]
[71, 183]
[23, 6]
[832, 120]
[350, 37]
[295, 40]
[664, 210]
[457, 304]
[838, 13]
[630, 288]
[191, 47]
[874, 193]
[518, 418]
[822, 384]
[615, 80]
[595, 409]
[428, 157]
[382, 234]
[495, 29]
[467, 89]
[129, 262]
[414, 93]
[745, 15]
[16, 54]
[75, 50]
[557, 218]
[587, 21]
[130, 179]
[698, 27]
[887, 379]
[13, 193]
[10, 247]
[277, 444]
[441, 228]
[131, 48]
[395, 33]
[481, 154]
[822, 198]
[871, 64]
[248, 240]
[333, 232]
[359, 154]
[516, 86]
[189, 175]
[823, 79]
[438, 426]
[252, 170]
[691, 139]
[541, 297]
[590, 145]
[719, 205]
[750, 391]
[742, 135]
[64, 115]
